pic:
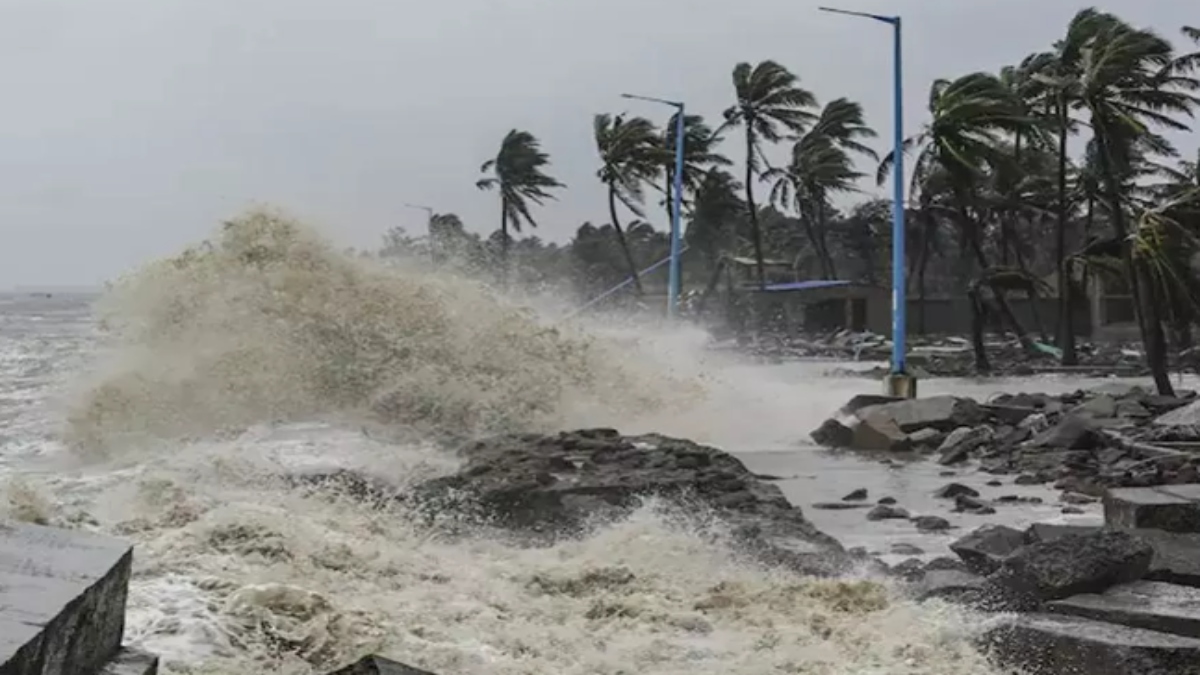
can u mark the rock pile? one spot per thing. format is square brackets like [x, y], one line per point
[1100, 600]
[1084, 442]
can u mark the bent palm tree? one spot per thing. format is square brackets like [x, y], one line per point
[631, 156]
[1129, 80]
[964, 141]
[518, 173]
[769, 104]
[820, 165]
[700, 155]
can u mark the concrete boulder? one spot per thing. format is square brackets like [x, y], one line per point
[1052, 644]
[1073, 564]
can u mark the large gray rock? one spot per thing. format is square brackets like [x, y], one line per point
[566, 482]
[864, 431]
[1073, 564]
[985, 549]
[1051, 644]
[62, 600]
[1176, 556]
[944, 413]
[378, 665]
[1174, 508]
[1152, 605]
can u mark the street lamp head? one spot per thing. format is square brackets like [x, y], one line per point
[867, 15]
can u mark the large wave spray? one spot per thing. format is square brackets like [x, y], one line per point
[267, 322]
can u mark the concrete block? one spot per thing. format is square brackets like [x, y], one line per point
[1050, 644]
[62, 600]
[377, 665]
[1166, 608]
[1152, 508]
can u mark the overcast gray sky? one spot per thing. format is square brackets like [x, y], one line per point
[130, 128]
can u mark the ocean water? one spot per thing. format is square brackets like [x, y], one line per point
[168, 409]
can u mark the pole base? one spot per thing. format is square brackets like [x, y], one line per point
[900, 385]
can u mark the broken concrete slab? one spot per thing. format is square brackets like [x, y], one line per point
[1088, 563]
[63, 608]
[1186, 416]
[944, 413]
[869, 432]
[1153, 605]
[1053, 644]
[1176, 555]
[961, 442]
[1173, 508]
[378, 665]
[131, 662]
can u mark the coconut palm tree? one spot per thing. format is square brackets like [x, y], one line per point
[518, 173]
[1130, 82]
[631, 156]
[770, 105]
[820, 166]
[700, 155]
[964, 140]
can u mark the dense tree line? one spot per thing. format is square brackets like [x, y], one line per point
[998, 202]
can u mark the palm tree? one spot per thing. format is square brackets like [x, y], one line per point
[821, 166]
[769, 105]
[518, 173]
[700, 155]
[631, 156]
[1129, 81]
[970, 117]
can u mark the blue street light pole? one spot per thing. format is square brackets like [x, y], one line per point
[899, 382]
[676, 204]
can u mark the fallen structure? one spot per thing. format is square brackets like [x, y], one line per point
[62, 604]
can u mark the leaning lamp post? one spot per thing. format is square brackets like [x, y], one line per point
[899, 382]
[676, 203]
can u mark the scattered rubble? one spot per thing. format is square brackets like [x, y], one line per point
[951, 356]
[1083, 442]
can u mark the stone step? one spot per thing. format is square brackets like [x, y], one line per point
[1172, 508]
[1153, 605]
[1052, 644]
[62, 600]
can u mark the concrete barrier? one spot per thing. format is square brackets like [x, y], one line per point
[62, 603]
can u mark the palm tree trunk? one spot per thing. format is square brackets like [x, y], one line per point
[1145, 304]
[757, 234]
[612, 213]
[1066, 317]
[504, 242]
[982, 366]
[826, 259]
[1006, 313]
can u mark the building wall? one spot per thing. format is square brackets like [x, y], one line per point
[953, 315]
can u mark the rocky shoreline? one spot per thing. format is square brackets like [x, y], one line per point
[1061, 594]
[1118, 599]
